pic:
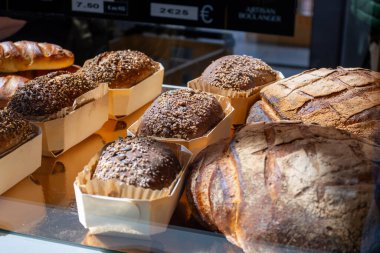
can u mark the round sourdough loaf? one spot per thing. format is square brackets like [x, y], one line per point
[302, 186]
[345, 98]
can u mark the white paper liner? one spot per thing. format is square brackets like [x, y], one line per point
[240, 100]
[14, 167]
[221, 131]
[36, 131]
[114, 188]
[194, 84]
[123, 102]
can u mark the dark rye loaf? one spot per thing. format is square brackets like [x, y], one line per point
[139, 161]
[297, 185]
[182, 113]
[120, 69]
[13, 130]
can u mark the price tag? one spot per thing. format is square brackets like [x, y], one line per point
[184, 12]
[93, 6]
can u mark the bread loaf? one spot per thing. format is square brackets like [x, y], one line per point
[237, 73]
[46, 95]
[345, 98]
[29, 55]
[288, 184]
[120, 69]
[8, 86]
[13, 131]
[140, 162]
[183, 113]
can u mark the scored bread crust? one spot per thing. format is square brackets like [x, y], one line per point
[29, 55]
[290, 184]
[345, 98]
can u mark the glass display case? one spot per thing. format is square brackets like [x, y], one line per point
[40, 214]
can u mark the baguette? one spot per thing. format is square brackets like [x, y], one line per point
[29, 55]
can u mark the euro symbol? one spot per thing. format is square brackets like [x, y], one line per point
[205, 14]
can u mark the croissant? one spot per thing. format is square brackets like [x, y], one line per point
[29, 55]
[304, 186]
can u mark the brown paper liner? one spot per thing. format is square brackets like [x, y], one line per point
[80, 101]
[114, 188]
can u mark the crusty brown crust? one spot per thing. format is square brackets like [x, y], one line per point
[183, 113]
[238, 73]
[13, 131]
[46, 95]
[139, 161]
[120, 69]
[29, 55]
[345, 98]
[290, 184]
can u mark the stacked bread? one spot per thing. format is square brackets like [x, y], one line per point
[23, 60]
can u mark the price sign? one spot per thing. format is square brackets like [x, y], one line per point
[93, 6]
[184, 12]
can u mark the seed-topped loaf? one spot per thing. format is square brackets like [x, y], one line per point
[13, 130]
[49, 94]
[139, 161]
[238, 73]
[183, 113]
[120, 69]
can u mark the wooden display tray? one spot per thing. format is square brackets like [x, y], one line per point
[43, 205]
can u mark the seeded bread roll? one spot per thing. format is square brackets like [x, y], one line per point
[49, 94]
[183, 113]
[140, 162]
[238, 73]
[13, 131]
[120, 69]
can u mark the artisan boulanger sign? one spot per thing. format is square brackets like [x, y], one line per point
[263, 16]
